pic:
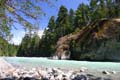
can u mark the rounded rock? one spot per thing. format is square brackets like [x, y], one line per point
[113, 72]
[105, 72]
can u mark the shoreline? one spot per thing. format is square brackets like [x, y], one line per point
[46, 73]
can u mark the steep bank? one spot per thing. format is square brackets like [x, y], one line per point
[98, 41]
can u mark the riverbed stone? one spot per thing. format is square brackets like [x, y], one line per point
[113, 72]
[15, 74]
[106, 72]
[82, 70]
[49, 69]
[52, 78]
[80, 77]
[59, 77]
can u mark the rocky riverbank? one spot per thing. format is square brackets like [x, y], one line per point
[8, 72]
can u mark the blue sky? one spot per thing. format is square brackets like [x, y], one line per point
[43, 21]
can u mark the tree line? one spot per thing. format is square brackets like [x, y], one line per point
[70, 22]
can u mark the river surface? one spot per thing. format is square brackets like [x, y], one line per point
[65, 64]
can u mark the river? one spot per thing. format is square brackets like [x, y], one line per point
[65, 64]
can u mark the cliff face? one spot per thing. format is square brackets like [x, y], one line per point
[98, 41]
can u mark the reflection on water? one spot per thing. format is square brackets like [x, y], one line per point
[44, 62]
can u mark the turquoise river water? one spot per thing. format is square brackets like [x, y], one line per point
[65, 64]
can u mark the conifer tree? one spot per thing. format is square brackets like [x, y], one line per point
[81, 16]
[71, 20]
[62, 22]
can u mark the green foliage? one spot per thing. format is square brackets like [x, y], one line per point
[24, 48]
[3, 43]
[110, 51]
[81, 16]
[34, 47]
[46, 45]
[71, 20]
[91, 14]
[90, 56]
[18, 11]
[62, 22]
[7, 49]
[48, 41]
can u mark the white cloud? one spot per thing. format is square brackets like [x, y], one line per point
[19, 34]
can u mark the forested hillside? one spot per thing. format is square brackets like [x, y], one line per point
[93, 20]
[98, 42]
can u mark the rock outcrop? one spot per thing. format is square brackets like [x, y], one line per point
[89, 38]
